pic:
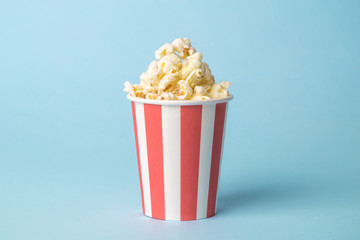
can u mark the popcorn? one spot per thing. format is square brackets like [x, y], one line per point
[128, 88]
[135, 90]
[225, 84]
[219, 90]
[168, 82]
[194, 78]
[167, 48]
[197, 97]
[150, 77]
[166, 96]
[178, 74]
[197, 56]
[182, 46]
[200, 93]
[189, 66]
[208, 78]
[150, 89]
[183, 90]
[151, 96]
[170, 63]
[199, 90]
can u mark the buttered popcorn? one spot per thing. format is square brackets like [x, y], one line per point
[178, 74]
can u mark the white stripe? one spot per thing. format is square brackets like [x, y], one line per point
[140, 123]
[222, 150]
[171, 150]
[206, 142]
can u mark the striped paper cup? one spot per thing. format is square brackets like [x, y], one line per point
[179, 146]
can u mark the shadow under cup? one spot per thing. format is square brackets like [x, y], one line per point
[179, 147]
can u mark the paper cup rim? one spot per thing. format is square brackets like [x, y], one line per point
[179, 102]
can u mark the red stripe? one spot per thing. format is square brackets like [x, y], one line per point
[153, 125]
[215, 157]
[138, 154]
[190, 152]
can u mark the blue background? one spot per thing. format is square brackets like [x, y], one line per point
[67, 155]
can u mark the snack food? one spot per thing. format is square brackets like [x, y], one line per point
[178, 73]
[179, 142]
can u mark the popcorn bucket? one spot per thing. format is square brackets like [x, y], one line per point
[179, 147]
